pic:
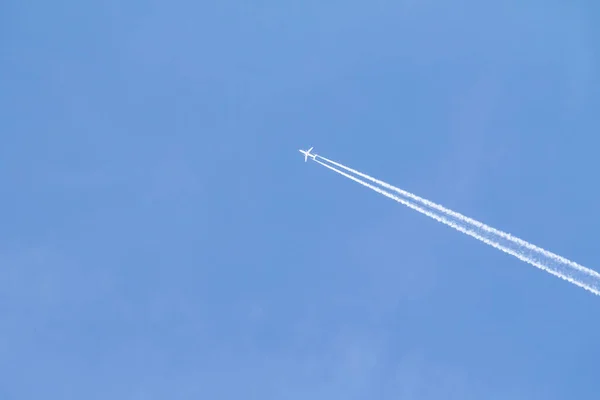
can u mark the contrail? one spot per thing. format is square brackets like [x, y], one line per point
[467, 220]
[587, 282]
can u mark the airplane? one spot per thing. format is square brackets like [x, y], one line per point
[307, 154]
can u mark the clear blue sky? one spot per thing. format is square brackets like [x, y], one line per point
[162, 238]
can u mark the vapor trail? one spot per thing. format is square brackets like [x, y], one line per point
[586, 282]
[465, 219]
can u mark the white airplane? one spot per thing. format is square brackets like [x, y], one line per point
[307, 154]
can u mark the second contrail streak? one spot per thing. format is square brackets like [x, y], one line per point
[582, 277]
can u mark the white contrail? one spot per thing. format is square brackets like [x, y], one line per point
[585, 282]
[465, 219]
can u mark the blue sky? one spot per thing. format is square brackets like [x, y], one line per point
[161, 236]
